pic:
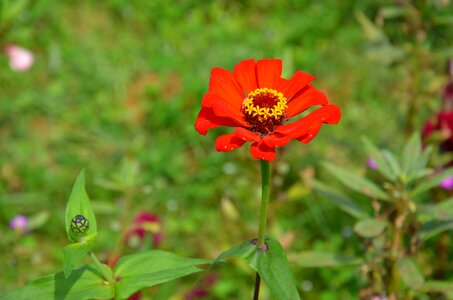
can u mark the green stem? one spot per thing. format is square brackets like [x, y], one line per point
[103, 269]
[265, 191]
[265, 174]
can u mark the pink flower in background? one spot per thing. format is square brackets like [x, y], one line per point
[19, 223]
[447, 184]
[146, 223]
[371, 163]
[20, 59]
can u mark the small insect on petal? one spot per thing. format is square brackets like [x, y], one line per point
[80, 224]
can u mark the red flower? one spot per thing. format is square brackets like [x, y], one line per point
[440, 131]
[146, 223]
[258, 103]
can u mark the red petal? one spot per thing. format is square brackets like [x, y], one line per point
[269, 72]
[228, 142]
[296, 83]
[306, 128]
[305, 100]
[276, 140]
[221, 108]
[207, 119]
[282, 82]
[262, 151]
[246, 135]
[222, 83]
[245, 74]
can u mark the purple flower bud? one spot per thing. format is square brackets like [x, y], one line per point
[447, 184]
[19, 223]
[371, 163]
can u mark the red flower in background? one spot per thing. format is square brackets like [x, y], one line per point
[440, 130]
[146, 223]
[258, 102]
[203, 289]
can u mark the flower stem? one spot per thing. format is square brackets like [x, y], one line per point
[265, 175]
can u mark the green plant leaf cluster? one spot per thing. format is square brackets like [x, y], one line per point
[271, 264]
[130, 274]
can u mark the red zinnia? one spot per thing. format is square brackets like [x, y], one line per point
[258, 102]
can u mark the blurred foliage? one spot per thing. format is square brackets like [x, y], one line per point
[116, 87]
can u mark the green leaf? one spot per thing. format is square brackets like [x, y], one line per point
[370, 228]
[73, 254]
[321, 260]
[442, 211]
[383, 165]
[84, 283]
[356, 182]
[243, 250]
[422, 163]
[273, 268]
[79, 204]
[341, 201]
[137, 271]
[432, 182]
[410, 155]
[430, 229]
[392, 162]
[410, 273]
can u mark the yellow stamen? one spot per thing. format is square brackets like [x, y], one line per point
[252, 107]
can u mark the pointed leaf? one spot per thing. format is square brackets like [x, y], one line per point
[84, 283]
[430, 229]
[422, 163]
[356, 182]
[392, 162]
[79, 204]
[370, 228]
[383, 165]
[273, 268]
[410, 273]
[341, 201]
[137, 271]
[73, 254]
[442, 211]
[322, 260]
[431, 182]
[240, 251]
[410, 156]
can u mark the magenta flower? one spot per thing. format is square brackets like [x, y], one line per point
[371, 163]
[20, 59]
[447, 184]
[19, 223]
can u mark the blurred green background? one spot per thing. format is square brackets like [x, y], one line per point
[116, 87]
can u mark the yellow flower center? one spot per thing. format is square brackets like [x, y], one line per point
[264, 109]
